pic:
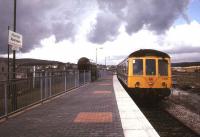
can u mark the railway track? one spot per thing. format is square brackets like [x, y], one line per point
[165, 124]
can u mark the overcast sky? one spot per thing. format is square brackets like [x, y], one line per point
[65, 30]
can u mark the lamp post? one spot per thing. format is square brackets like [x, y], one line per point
[108, 57]
[96, 53]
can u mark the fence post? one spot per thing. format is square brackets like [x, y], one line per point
[33, 81]
[70, 79]
[33, 76]
[41, 86]
[78, 81]
[5, 100]
[45, 84]
[50, 83]
[74, 78]
[65, 80]
[87, 77]
[90, 77]
[84, 77]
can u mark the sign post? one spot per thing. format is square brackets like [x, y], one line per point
[8, 79]
[14, 40]
[14, 98]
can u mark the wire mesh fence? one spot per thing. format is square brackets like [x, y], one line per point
[20, 93]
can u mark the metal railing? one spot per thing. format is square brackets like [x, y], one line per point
[21, 93]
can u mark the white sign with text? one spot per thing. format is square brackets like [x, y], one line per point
[15, 40]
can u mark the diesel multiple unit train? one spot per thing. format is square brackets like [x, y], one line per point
[146, 72]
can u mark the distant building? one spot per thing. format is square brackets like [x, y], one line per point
[71, 66]
[29, 67]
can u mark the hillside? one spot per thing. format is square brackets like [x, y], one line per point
[185, 64]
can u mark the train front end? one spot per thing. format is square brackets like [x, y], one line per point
[150, 74]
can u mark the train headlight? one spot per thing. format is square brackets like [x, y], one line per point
[164, 84]
[137, 84]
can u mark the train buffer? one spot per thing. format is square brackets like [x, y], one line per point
[98, 109]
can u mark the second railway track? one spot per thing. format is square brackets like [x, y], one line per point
[164, 123]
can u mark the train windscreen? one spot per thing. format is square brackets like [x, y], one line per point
[150, 67]
[163, 67]
[138, 67]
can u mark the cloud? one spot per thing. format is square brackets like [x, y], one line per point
[105, 29]
[65, 50]
[5, 21]
[183, 49]
[155, 15]
[63, 31]
[185, 57]
[75, 28]
[183, 35]
[180, 42]
[39, 19]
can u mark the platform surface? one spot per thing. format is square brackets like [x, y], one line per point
[134, 123]
[89, 111]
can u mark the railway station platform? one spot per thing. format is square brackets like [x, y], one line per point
[98, 109]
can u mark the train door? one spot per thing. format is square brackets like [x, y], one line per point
[150, 72]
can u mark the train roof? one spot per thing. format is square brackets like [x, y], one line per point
[149, 52]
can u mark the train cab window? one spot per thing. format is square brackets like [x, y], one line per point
[150, 67]
[138, 67]
[163, 67]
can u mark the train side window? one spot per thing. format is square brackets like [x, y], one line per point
[138, 67]
[163, 67]
[150, 67]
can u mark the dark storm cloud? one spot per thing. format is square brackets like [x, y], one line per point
[155, 15]
[38, 19]
[28, 23]
[105, 29]
[62, 31]
[115, 6]
[5, 21]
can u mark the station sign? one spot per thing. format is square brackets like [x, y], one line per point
[15, 40]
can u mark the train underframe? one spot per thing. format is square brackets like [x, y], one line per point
[154, 93]
[147, 93]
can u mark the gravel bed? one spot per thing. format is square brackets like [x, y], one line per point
[185, 107]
